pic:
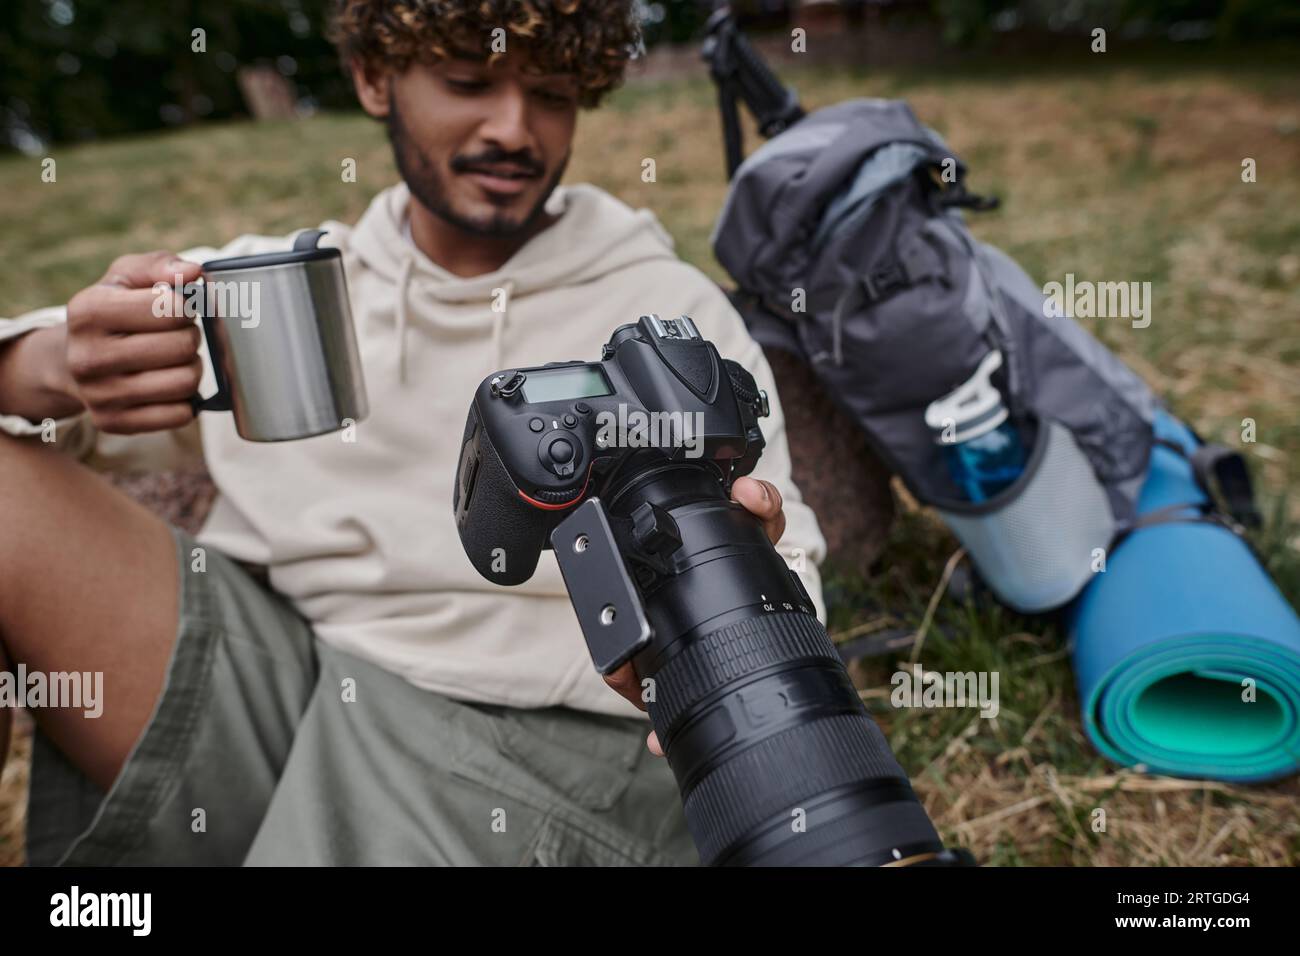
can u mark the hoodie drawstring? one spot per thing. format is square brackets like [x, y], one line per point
[403, 280]
[499, 320]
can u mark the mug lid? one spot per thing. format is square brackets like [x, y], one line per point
[304, 250]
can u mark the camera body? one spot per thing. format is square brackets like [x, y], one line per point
[540, 441]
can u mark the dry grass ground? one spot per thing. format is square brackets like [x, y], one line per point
[1107, 170]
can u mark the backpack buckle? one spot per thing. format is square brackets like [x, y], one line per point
[884, 281]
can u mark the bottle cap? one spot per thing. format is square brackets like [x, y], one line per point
[972, 409]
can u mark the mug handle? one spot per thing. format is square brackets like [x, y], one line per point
[219, 401]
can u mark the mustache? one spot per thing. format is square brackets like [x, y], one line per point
[525, 162]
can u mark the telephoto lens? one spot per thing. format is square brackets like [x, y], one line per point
[777, 759]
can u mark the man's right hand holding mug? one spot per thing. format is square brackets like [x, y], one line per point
[133, 370]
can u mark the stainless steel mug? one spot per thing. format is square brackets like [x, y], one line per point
[283, 347]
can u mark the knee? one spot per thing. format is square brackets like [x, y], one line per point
[25, 491]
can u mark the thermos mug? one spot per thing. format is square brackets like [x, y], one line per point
[283, 347]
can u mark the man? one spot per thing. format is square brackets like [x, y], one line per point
[375, 701]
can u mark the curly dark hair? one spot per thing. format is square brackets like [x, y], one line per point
[592, 39]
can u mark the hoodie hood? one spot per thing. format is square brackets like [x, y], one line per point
[594, 235]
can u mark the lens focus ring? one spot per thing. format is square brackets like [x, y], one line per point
[723, 656]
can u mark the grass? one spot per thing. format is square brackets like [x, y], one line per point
[1129, 172]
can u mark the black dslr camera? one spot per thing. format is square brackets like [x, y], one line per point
[623, 467]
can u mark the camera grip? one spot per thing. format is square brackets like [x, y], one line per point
[503, 536]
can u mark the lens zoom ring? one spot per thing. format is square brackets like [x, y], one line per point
[775, 775]
[728, 653]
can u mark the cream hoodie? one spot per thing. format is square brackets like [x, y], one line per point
[360, 535]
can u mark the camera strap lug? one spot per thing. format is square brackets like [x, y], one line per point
[606, 601]
[507, 383]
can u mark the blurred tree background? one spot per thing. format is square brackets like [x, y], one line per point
[74, 70]
[82, 69]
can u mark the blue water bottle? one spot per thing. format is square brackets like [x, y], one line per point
[981, 445]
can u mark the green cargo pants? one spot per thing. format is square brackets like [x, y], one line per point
[268, 747]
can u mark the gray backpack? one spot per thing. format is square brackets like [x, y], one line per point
[845, 235]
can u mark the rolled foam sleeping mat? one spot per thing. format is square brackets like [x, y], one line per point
[1167, 641]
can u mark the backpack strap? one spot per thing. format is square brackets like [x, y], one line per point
[958, 197]
[912, 262]
[1222, 474]
[942, 195]
[1194, 511]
